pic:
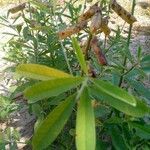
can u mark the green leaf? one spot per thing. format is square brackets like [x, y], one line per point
[140, 110]
[117, 139]
[139, 87]
[115, 78]
[101, 111]
[51, 88]
[135, 73]
[115, 92]
[100, 145]
[142, 131]
[85, 124]
[40, 72]
[79, 55]
[41, 5]
[146, 69]
[114, 120]
[139, 53]
[145, 64]
[47, 132]
[146, 59]
[126, 51]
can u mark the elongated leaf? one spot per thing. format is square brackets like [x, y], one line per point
[79, 55]
[40, 72]
[145, 64]
[139, 53]
[141, 130]
[146, 59]
[85, 124]
[146, 69]
[140, 110]
[135, 72]
[50, 88]
[139, 87]
[117, 139]
[53, 124]
[115, 92]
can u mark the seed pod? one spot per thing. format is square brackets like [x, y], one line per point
[98, 52]
[91, 72]
[31, 10]
[96, 21]
[124, 14]
[104, 27]
[72, 30]
[15, 16]
[89, 13]
[17, 8]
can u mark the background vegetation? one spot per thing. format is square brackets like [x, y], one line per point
[100, 89]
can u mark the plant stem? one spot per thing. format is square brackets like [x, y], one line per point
[85, 1]
[63, 48]
[128, 43]
[84, 84]
[88, 46]
[130, 69]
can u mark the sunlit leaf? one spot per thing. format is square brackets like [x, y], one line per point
[85, 124]
[115, 92]
[40, 72]
[51, 88]
[79, 55]
[53, 124]
[140, 110]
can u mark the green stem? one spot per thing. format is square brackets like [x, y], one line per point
[63, 48]
[84, 84]
[128, 43]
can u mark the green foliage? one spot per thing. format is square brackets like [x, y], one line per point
[142, 130]
[115, 92]
[117, 139]
[40, 72]
[111, 94]
[145, 63]
[85, 122]
[141, 109]
[6, 107]
[53, 124]
[9, 136]
[50, 88]
[79, 55]
[77, 99]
